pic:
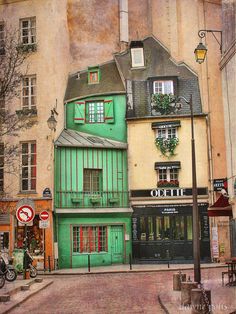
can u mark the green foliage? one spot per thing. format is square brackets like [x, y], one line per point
[167, 145]
[163, 103]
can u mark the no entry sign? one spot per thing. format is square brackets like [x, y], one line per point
[25, 214]
[44, 215]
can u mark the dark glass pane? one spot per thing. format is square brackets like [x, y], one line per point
[143, 231]
[150, 229]
[178, 228]
[25, 172]
[158, 228]
[25, 160]
[25, 148]
[189, 228]
[24, 185]
[166, 227]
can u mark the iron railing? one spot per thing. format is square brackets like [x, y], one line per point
[74, 199]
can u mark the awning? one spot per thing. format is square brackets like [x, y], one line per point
[220, 208]
[167, 165]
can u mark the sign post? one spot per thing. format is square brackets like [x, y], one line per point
[44, 223]
[25, 214]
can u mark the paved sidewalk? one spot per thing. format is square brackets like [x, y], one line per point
[18, 294]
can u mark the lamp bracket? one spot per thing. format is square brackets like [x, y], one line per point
[202, 34]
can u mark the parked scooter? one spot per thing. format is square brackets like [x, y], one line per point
[2, 280]
[28, 260]
[6, 268]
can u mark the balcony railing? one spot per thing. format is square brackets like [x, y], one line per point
[73, 199]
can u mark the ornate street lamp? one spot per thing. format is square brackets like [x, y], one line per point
[201, 50]
[52, 122]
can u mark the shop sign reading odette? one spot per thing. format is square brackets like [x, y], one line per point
[25, 214]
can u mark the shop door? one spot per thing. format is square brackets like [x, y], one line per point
[117, 244]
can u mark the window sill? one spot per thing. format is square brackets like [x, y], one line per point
[27, 112]
[138, 68]
[27, 192]
[27, 48]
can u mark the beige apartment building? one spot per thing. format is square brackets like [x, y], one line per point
[70, 35]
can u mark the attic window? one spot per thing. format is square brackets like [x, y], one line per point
[93, 75]
[137, 54]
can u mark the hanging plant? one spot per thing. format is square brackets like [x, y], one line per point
[167, 145]
[163, 103]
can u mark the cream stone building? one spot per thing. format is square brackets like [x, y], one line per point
[71, 35]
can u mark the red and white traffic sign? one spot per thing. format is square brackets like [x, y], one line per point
[25, 214]
[44, 215]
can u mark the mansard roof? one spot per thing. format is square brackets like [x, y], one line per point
[110, 83]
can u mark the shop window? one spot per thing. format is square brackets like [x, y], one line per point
[92, 181]
[143, 231]
[4, 241]
[158, 228]
[150, 229]
[178, 228]
[1, 167]
[35, 242]
[166, 227]
[189, 228]
[89, 239]
[28, 166]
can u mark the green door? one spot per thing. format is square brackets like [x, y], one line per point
[117, 244]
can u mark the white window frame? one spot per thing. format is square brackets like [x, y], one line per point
[166, 133]
[160, 87]
[28, 33]
[29, 166]
[95, 112]
[137, 53]
[168, 174]
[29, 92]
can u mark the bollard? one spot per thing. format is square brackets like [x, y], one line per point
[200, 304]
[186, 288]
[177, 279]
[89, 263]
[130, 262]
[49, 264]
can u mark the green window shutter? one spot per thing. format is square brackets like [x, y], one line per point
[109, 112]
[79, 116]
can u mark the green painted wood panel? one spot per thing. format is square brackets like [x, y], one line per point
[116, 131]
[118, 248]
[70, 163]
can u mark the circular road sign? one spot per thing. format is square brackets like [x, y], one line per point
[25, 214]
[44, 215]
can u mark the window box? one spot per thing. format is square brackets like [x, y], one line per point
[169, 184]
[27, 48]
[76, 199]
[163, 103]
[27, 112]
[114, 200]
[95, 200]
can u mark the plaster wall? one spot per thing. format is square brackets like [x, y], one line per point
[51, 72]
[142, 174]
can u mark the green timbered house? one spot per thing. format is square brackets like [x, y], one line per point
[92, 214]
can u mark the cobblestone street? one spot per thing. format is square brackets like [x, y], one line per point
[119, 293]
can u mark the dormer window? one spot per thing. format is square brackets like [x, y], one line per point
[163, 87]
[137, 54]
[93, 75]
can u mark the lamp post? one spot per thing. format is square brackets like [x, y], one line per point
[196, 242]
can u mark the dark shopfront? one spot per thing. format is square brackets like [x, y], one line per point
[164, 232]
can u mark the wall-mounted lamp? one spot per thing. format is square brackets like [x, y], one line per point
[52, 122]
[201, 50]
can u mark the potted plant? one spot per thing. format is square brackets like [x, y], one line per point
[163, 103]
[167, 145]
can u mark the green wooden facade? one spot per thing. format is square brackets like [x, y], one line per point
[91, 199]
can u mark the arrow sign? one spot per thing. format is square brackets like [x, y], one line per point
[44, 215]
